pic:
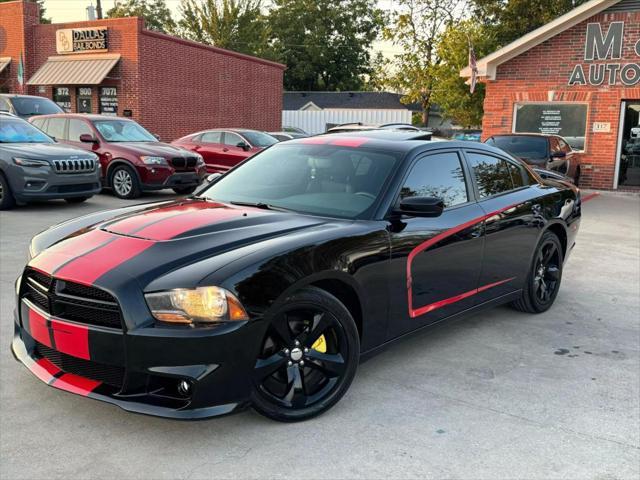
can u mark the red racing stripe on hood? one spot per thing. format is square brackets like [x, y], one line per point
[88, 268]
[57, 255]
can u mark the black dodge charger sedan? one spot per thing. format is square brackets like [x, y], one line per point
[267, 287]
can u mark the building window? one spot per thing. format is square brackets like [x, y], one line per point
[569, 120]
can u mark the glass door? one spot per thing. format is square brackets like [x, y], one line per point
[629, 166]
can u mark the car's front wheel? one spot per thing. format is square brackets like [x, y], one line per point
[124, 182]
[308, 357]
[7, 202]
[543, 282]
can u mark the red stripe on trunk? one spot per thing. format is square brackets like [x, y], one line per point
[76, 384]
[38, 328]
[71, 339]
[88, 268]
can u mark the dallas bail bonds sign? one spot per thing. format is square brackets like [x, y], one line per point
[77, 40]
[605, 48]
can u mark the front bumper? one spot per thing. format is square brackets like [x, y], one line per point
[177, 180]
[28, 184]
[217, 362]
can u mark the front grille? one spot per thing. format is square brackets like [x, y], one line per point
[109, 374]
[74, 165]
[71, 301]
[184, 162]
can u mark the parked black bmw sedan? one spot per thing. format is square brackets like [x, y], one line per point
[267, 288]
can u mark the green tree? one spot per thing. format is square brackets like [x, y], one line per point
[417, 28]
[237, 25]
[324, 43]
[156, 14]
[43, 10]
[451, 92]
[509, 20]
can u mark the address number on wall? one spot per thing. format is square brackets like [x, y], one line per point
[601, 127]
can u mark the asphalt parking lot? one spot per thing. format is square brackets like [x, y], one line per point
[499, 395]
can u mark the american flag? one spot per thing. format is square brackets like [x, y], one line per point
[474, 68]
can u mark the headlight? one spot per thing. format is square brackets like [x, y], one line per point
[199, 161]
[198, 305]
[154, 160]
[29, 162]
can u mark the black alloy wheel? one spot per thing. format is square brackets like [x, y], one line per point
[308, 358]
[544, 278]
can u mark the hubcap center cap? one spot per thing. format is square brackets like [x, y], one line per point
[296, 354]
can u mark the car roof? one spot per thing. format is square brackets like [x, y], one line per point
[391, 140]
[88, 116]
[18, 95]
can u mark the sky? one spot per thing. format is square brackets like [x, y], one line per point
[61, 11]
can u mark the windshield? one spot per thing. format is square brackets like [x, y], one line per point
[523, 147]
[29, 106]
[14, 130]
[324, 180]
[123, 131]
[259, 139]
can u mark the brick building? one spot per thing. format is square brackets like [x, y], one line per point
[578, 77]
[115, 66]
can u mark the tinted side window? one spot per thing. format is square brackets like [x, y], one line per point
[516, 175]
[77, 128]
[232, 139]
[55, 128]
[492, 174]
[38, 122]
[564, 146]
[211, 137]
[439, 175]
[4, 105]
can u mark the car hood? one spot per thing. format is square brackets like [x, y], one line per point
[152, 148]
[44, 151]
[158, 239]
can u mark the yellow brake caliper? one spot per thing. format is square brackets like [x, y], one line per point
[320, 345]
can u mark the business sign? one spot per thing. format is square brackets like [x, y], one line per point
[62, 96]
[78, 40]
[600, 47]
[568, 120]
[108, 99]
[84, 99]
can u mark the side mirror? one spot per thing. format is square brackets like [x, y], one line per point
[422, 206]
[157, 136]
[244, 145]
[558, 154]
[88, 138]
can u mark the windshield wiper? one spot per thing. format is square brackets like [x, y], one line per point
[262, 205]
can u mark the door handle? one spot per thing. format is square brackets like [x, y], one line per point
[225, 149]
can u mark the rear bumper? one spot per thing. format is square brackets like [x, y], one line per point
[217, 363]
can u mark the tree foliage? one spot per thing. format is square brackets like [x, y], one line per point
[508, 20]
[451, 92]
[237, 25]
[324, 43]
[156, 14]
[417, 28]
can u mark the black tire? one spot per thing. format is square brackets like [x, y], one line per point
[124, 182]
[76, 199]
[545, 276]
[310, 380]
[7, 201]
[185, 190]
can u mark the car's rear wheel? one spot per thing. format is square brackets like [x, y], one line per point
[7, 202]
[308, 357]
[76, 199]
[543, 282]
[185, 190]
[124, 182]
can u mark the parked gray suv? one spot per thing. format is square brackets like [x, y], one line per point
[34, 167]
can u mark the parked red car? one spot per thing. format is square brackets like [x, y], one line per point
[132, 159]
[225, 148]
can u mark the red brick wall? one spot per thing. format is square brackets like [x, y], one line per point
[17, 21]
[173, 87]
[186, 87]
[542, 74]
